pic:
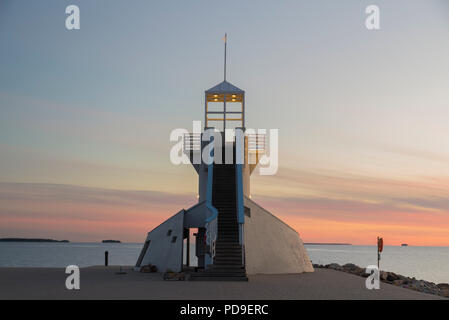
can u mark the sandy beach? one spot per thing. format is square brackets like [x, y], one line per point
[103, 283]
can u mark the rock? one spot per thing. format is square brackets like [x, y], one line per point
[443, 286]
[365, 275]
[398, 282]
[444, 293]
[391, 277]
[360, 272]
[174, 276]
[145, 269]
[418, 285]
[334, 266]
[350, 266]
[148, 268]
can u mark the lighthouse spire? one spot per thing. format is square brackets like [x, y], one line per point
[225, 39]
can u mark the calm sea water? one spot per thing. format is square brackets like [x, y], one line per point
[428, 263]
[56, 254]
[49, 254]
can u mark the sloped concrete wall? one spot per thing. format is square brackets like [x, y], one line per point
[195, 216]
[162, 252]
[271, 246]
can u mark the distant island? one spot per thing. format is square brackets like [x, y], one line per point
[328, 244]
[111, 241]
[30, 240]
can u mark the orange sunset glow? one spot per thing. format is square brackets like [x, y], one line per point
[362, 116]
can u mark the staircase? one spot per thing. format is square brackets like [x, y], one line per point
[228, 264]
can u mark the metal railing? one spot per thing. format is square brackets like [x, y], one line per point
[256, 142]
[211, 235]
[211, 221]
[191, 142]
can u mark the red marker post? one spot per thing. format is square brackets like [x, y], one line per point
[380, 247]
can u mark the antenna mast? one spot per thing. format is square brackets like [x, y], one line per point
[225, 43]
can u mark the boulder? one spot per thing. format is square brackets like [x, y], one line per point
[350, 266]
[391, 277]
[334, 266]
[148, 268]
[443, 286]
[398, 282]
[383, 275]
[444, 293]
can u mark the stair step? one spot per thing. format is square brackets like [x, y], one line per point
[228, 247]
[213, 278]
[219, 274]
[237, 263]
[226, 261]
[234, 269]
[228, 252]
[230, 257]
[224, 244]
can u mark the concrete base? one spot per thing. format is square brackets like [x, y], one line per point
[271, 246]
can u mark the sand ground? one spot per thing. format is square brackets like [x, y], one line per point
[104, 283]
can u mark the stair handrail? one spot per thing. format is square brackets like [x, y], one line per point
[211, 222]
[239, 141]
[239, 193]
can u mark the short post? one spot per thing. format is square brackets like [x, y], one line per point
[378, 260]
[188, 248]
[106, 254]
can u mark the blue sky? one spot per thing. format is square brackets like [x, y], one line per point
[94, 107]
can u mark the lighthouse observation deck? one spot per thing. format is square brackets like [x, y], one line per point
[254, 146]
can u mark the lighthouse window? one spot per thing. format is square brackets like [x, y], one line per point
[173, 239]
[169, 233]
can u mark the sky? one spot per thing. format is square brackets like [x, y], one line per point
[85, 115]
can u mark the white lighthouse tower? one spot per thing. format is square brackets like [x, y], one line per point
[235, 236]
